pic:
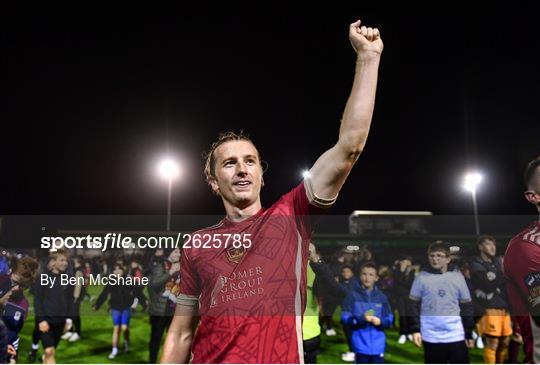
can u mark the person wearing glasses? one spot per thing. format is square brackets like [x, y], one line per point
[441, 310]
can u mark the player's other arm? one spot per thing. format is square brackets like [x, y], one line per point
[177, 346]
[332, 168]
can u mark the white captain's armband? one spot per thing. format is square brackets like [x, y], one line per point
[187, 300]
[314, 199]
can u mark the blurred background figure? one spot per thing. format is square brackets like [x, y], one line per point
[403, 278]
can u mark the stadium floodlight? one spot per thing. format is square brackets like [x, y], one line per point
[305, 174]
[471, 182]
[169, 170]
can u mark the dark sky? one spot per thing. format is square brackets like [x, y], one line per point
[90, 103]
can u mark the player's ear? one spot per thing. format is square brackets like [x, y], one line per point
[214, 185]
[532, 197]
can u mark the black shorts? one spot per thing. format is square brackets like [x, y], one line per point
[446, 353]
[312, 347]
[51, 338]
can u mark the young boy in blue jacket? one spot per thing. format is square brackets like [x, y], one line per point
[367, 313]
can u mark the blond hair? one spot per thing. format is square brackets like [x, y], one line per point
[224, 137]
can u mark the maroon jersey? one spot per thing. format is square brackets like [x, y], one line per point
[522, 269]
[251, 300]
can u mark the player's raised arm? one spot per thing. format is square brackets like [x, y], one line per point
[331, 169]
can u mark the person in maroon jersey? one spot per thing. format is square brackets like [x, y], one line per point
[522, 269]
[244, 279]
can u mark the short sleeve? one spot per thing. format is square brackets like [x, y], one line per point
[190, 282]
[301, 203]
[304, 209]
[416, 289]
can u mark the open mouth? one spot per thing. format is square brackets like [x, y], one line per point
[242, 183]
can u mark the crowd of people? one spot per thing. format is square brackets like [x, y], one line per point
[57, 307]
[447, 305]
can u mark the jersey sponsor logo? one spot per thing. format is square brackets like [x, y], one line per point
[442, 293]
[532, 282]
[235, 254]
[239, 285]
[483, 295]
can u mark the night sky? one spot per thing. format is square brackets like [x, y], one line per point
[90, 104]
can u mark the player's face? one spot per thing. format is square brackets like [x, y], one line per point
[438, 260]
[15, 280]
[405, 263]
[368, 277]
[533, 194]
[489, 248]
[118, 271]
[175, 255]
[238, 173]
[61, 263]
[347, 273]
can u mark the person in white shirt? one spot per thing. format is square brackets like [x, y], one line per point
[441, 310]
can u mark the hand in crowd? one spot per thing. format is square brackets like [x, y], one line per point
[417, 339]
[5, 298]
[404, 265]
[313, 256]
[11, 350]
[376, 321]
[44, 326]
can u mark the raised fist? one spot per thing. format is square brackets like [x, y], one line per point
[366, 41]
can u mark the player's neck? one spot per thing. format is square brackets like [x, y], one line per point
[238, 214]
[434, 270]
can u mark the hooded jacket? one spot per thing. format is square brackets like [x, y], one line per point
[367, 338]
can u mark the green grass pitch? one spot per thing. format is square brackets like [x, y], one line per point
[95, 345]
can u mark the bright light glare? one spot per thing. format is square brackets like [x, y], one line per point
[472, 181]
[305, 174]
[168, 169]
